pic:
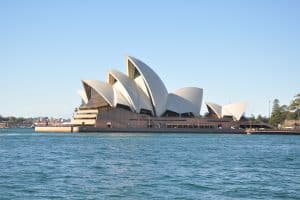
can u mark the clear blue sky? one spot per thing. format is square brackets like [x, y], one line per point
[236, 50]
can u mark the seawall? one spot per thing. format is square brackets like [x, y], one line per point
[90, 129]
[57, 129]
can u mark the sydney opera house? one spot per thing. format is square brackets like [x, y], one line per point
[139, 99]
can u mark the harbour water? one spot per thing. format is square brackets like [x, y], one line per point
[148, 166]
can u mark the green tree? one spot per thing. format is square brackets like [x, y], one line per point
[294, 108]
[261, 119]
[251, 118]
[279, 113]
[291, 116]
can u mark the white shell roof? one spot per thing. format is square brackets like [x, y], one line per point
[180, 105]
[83, 96]
[103, 89]
[193, 95]
[143, 89]
[155, 87]
[110, 94]
[236, 110]
[216, 108]
[120, 99]
[135, 96]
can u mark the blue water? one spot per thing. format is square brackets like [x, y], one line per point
[148, 166]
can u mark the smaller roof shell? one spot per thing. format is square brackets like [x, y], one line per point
[236, 110]
[83, 96]
[180, 105]
[217, 109]
[103, 89]
[194, 95]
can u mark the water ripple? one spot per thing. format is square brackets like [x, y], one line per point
[148, 166]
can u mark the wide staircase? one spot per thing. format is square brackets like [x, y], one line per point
[85, 117]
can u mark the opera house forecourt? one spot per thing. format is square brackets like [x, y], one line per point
[139, 101]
